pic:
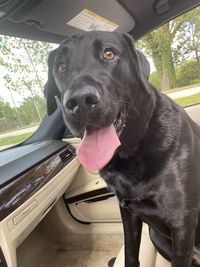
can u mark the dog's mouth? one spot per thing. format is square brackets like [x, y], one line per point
[120, 122]
[99, 144]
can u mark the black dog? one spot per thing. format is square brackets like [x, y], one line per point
[102, 82]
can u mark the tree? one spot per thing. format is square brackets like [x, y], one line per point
[158, 45]
[24, 62]
[28, 112]
[168, 69]
[154, 79]
[172, 44]
[188, 38]
[7, 115]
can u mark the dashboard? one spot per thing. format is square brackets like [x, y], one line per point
[26, 197]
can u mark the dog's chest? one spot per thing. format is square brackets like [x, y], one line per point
[136, 197]
[140, 198]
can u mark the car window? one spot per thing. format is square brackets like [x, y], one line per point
[23, 71]
[174, 53]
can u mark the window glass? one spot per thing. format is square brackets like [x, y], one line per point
[23, 68]
[174, 51]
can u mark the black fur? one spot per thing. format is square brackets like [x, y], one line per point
[156, 172]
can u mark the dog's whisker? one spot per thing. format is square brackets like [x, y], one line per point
[131, 107]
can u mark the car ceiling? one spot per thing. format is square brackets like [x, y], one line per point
[46, 20]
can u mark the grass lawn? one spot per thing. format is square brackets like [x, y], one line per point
[188, 100]
[12, 140]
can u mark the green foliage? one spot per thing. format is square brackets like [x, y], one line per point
[187, 39]
[7, 115]
[24, 67]
[172, 44]
[26, 114]
[151, 44]
[158, 45]
[154, 79]
[187, 73]
[27, 111]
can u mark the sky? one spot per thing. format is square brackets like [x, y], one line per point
[6, 94]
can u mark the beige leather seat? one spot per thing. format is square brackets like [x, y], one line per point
[149, 257]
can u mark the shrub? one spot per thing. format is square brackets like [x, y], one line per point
[155, 80]
[187, 73]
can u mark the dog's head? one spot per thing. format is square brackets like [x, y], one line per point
[97, 76]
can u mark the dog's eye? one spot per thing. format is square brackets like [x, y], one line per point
[61, 68]
[108, 55]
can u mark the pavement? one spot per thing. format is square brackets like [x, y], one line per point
[184, 93]
[19, 132]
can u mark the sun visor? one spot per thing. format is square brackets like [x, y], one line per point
[9, 8]
[70, 17]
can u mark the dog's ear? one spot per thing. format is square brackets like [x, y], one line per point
[139, 61]
[144, 64]
[50, 88]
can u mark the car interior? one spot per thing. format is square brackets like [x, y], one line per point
[54, 212]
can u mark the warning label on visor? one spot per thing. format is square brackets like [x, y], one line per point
[87, 20]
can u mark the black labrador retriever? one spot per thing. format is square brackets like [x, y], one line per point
[146, 147]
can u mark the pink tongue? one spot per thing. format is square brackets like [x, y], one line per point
[97, 147]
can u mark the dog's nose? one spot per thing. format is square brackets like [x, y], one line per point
[83, 100]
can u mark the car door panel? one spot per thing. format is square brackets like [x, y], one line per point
[89, 200]
[106, 210]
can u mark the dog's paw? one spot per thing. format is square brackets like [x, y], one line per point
[111, 262]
